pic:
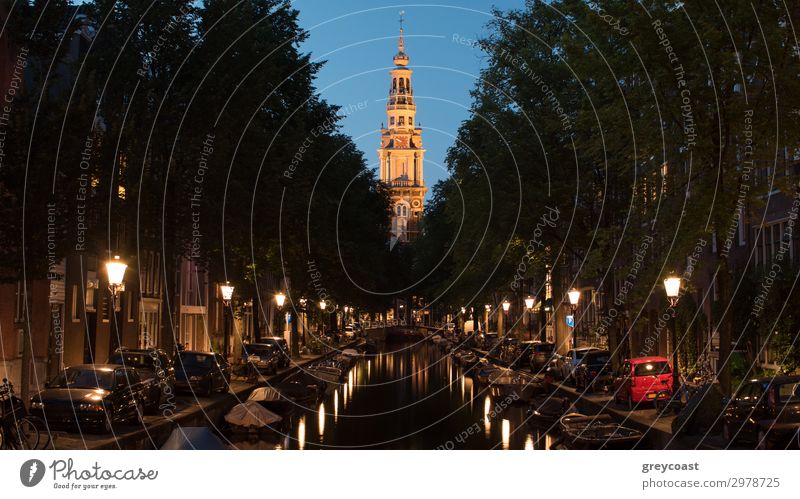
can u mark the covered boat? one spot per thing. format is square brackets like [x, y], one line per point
[351, 352]
[271, 399]
[596, 432]
[515, 384]
[327, 373]
[547, 409]
[251, 414]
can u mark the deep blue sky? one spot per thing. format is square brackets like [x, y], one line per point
[358, 38]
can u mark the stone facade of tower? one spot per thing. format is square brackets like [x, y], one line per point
[401, 154]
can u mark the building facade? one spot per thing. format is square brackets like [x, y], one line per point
[401, 153]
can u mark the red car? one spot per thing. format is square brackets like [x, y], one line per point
[643, 379]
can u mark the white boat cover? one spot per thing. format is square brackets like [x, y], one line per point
[264, 394]
[350, 352]
[251, 413]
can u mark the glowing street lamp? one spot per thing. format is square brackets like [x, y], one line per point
[115, 270]
[672, 286]
[574, 298]
[226, 290]
[529, 307]
[280, 299]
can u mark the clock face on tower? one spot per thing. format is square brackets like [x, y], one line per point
[401, 142]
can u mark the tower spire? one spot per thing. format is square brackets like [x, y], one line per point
[400, 44]
[401, 59]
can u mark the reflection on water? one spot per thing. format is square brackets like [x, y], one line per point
[408, 397]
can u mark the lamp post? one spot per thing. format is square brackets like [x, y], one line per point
[280, 299]
[672, 286]
[322, 306]
[115, 270]
[487, 308]
[574, 298]
[529, 307]
[506, 307]
[226, 290]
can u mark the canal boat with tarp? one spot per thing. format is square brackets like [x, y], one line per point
[250, 415]
[515, 384]
[546, 409]
[271, 399]
[579, 431]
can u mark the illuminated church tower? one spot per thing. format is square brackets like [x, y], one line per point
[401, 153]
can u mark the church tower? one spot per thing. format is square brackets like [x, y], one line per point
[401, 153]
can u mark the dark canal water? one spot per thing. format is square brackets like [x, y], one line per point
[410, 396]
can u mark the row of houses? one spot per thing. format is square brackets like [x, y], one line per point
[68, 317]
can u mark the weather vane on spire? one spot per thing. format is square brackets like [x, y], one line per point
[402, 13]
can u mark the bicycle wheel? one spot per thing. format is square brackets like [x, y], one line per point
[26, 434]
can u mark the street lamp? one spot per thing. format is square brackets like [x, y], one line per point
[115, 270]
[506, 307]
[280, 299]
[574, 298]
[529, 307]
[487, 308]
[226, 290]
[672, 286]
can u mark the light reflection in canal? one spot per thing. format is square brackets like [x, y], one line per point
[412, 398]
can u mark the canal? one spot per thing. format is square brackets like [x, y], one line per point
[409, 396]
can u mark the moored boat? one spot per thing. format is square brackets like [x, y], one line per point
[596, 432]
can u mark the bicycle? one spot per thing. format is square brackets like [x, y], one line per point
[18, 429]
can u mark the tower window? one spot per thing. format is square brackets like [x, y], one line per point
[401, 121]
[391, 120]
[410, 121]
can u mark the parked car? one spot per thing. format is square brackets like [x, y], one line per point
[765, 411]
[92, 397]
[571, 361]
[594, 370]
[487, 340]
[542, 355]
[153, 366]
[643, 379]
[260, 358]
[283, 349]
[201, 372]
